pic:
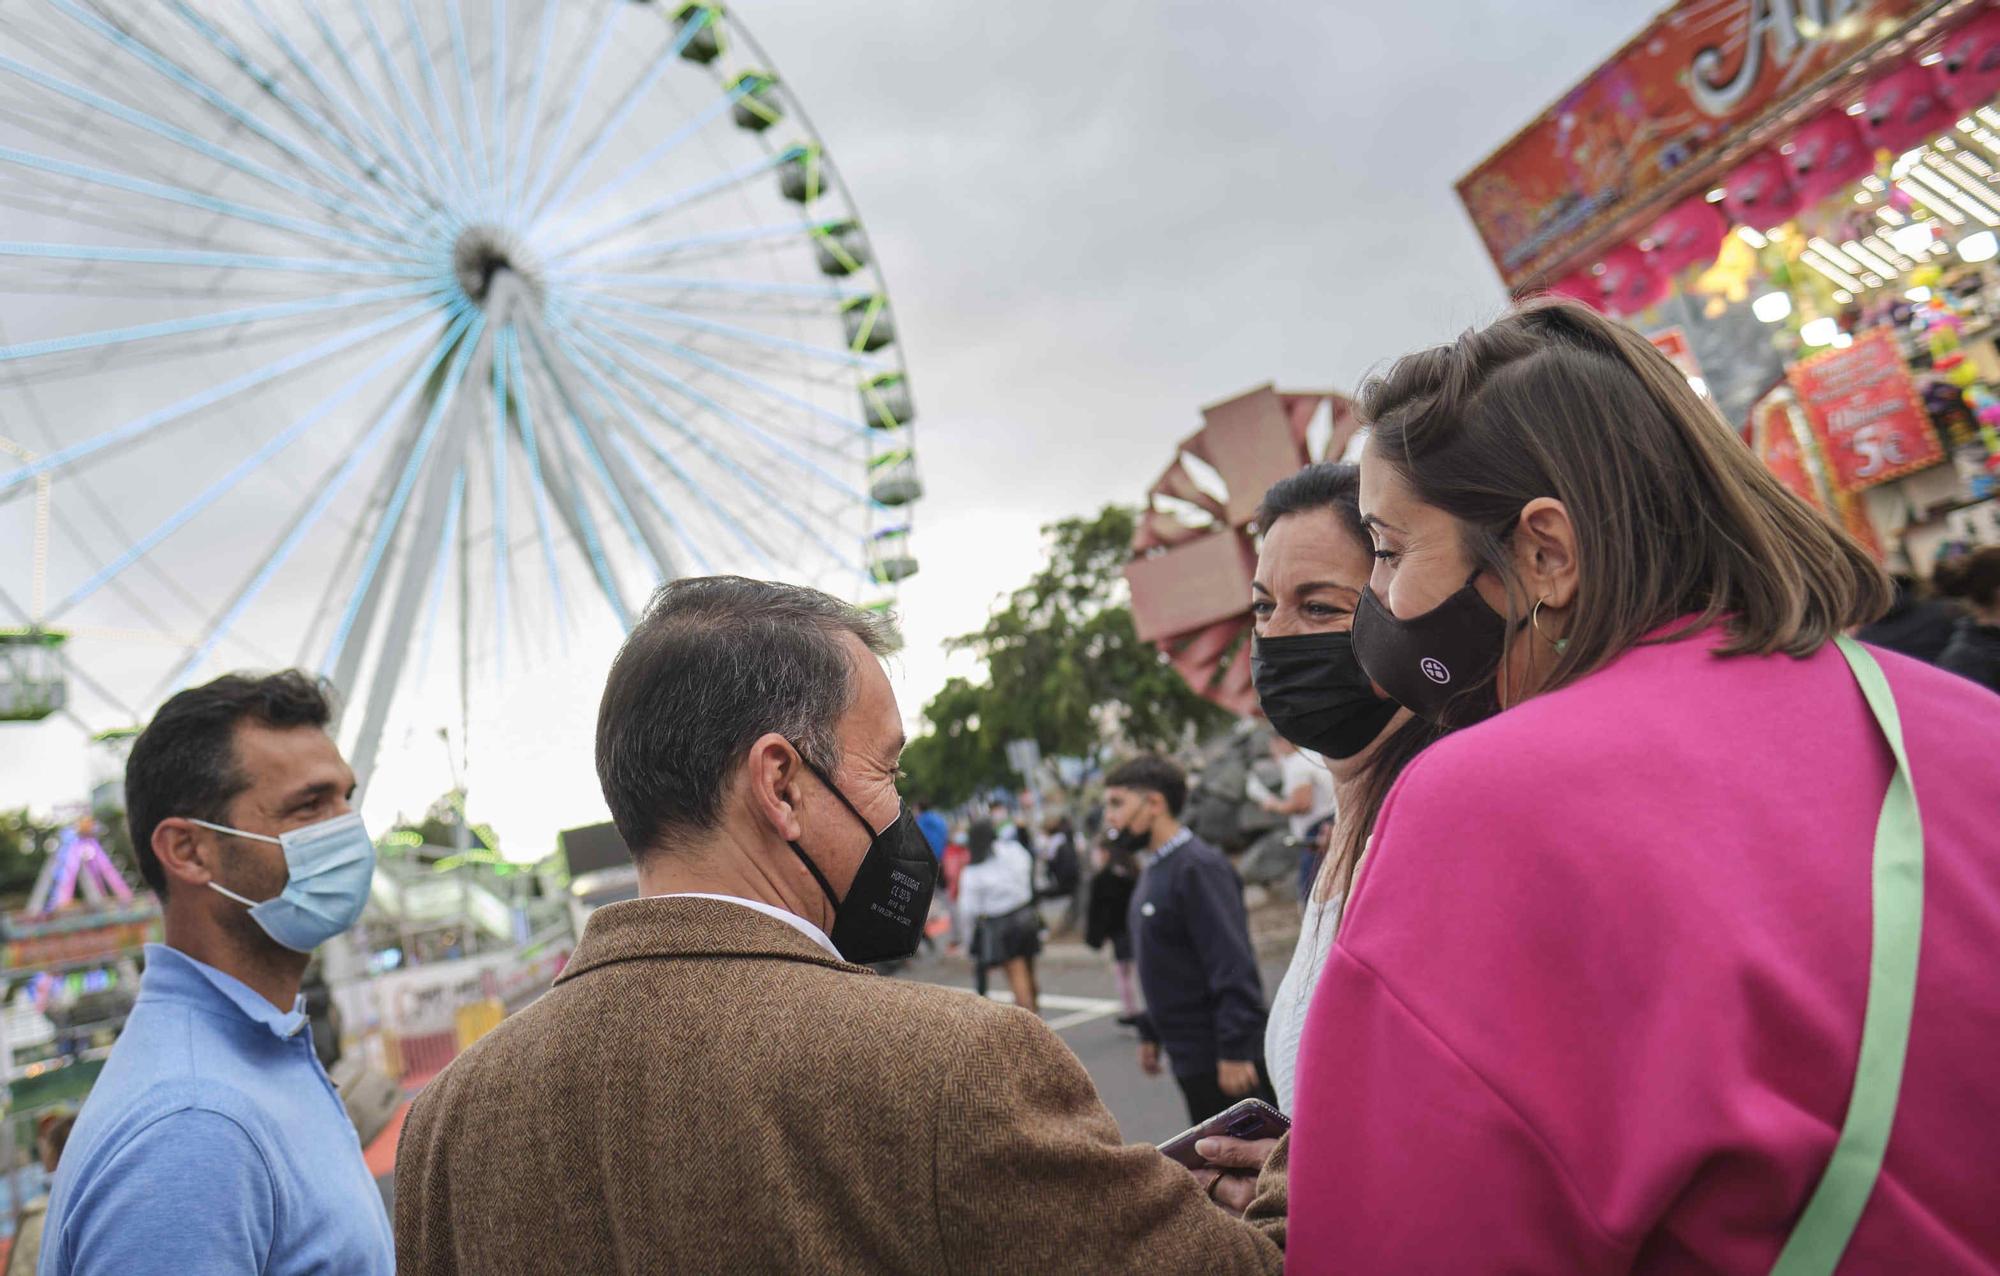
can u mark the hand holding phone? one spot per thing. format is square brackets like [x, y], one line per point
[1251, 1120]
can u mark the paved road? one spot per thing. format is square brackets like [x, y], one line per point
[1079, 1001]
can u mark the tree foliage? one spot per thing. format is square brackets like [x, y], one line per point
[1063, 667]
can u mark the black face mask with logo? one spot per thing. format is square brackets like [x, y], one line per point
[1440, 665]
[882, 916]
[1316, 693]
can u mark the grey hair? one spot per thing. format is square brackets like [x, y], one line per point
[714, 664]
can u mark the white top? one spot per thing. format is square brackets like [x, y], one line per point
[1294, 995]
[791, 919]
[998, 886]
[1300, 771]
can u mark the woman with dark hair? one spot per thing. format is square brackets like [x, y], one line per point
[1630, 978]
[996, 906]
[1974, 649]
[1312, 565]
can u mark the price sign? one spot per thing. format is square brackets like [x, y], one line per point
[1865, 412]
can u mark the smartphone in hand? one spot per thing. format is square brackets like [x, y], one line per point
[1247, 1119]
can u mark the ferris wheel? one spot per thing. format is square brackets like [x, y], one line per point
[331, 326]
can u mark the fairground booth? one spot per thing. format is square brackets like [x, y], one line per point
[1797, 200]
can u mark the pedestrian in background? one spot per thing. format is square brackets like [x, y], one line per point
[996, 906]
[1111, 888]
[51, 1133]
[1305, 797]
[1191, 941]
[213, 1141]
[1974, 649]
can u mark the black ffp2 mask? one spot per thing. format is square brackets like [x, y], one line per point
[1316, 693]
[883, 914]
[1440, 665]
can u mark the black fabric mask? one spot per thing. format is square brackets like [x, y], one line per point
[882, 918]
[1316, 694]
[1440, 665]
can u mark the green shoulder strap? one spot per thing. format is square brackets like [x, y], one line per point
[1820, 1238]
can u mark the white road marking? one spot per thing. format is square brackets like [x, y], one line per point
[1083, 1009]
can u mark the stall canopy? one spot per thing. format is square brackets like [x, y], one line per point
[1701, 88]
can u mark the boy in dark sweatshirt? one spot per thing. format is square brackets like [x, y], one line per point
[1191, 936]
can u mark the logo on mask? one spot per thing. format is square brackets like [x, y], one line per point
[1435, 670]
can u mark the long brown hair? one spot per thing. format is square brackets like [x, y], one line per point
[1674, 516]
[1333, 486]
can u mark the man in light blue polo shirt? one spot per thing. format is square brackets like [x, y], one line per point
[213, 1142]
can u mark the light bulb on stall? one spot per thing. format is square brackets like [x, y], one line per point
[1980, 246]
[1820, 332]
[1913, 240]
[1772, 307]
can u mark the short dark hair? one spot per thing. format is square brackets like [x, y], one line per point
[184, 762]
[1974, 576]
[715, 663]
[1155, 773]
[1329, 485]
[979, 839]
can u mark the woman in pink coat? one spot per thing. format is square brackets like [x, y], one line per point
[1716, 894]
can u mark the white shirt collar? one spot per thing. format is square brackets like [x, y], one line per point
[791, 919]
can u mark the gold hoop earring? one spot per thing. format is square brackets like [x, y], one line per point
[1535, 620]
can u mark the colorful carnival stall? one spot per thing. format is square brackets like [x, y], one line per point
[1798, 201]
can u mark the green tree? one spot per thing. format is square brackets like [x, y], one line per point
[1063, 667]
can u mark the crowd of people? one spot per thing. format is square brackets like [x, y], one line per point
[1649, 924]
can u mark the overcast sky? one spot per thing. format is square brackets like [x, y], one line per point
[1094, 219]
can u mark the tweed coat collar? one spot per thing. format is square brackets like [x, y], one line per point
[668, 927]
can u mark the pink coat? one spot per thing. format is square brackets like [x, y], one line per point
[1597, 1000]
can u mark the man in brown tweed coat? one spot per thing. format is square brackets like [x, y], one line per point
[711, 1086]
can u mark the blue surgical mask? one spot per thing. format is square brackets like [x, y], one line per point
[331, 864]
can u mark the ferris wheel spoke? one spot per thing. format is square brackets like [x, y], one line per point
[702, 361]
[659, 503]
[538, 489]
[632, 360]
[730, 239]
[436, 156]
[468, 103]
[62, 458]
[424, 179]
[413, 189]
[242, 470]
[680, 318]
[368, 169]
[564, 250]
[440, 569]
[203, 323]
[385, 528]
[657, 152]
[596, 282]
[195, 199]
[776, 504]
[620, 115]
[446, 124]
[139, 119]
[183, 80]
[502, 69]
[502, 342]
[523, 148]
[295, 533]
[545, 170]
[734, 526]
[589, 435]
[219, 260]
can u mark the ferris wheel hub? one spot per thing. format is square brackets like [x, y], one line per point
[482, 253]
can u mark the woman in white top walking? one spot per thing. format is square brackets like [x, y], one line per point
[996, 906]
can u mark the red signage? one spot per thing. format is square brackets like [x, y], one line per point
[1703, 72]
[1865, 412]
[1673, 343]
[1777, 445]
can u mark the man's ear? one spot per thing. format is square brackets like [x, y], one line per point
[776, 777]
[1545, 552]
[183, 854]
